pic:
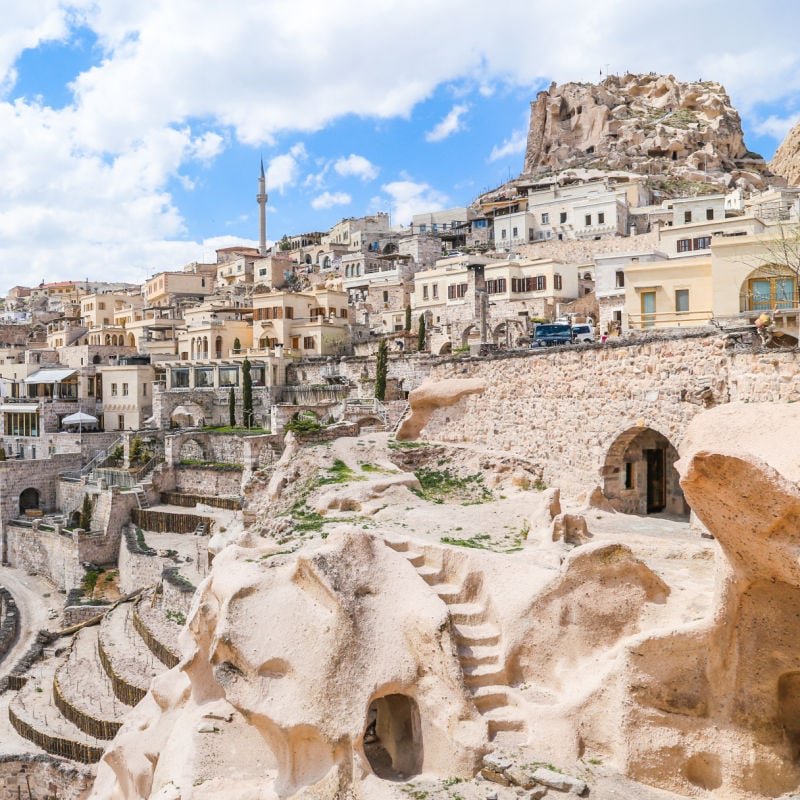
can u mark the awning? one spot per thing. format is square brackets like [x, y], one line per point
[50, 376]
[79, 418]
[20, 408]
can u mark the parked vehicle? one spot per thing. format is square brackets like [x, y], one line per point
[583, 332]
[551, 335]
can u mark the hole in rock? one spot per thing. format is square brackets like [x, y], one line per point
[704, 771]
[393, 737]
[789, 708]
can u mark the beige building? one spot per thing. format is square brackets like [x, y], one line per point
[167, 288]
[212, 331]
[127, 395]
[312, 323]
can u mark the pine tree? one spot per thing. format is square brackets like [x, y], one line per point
[381, 367]
[232, 408]
[247, 395]
[421, 333]
[85, 519]
[408, 318]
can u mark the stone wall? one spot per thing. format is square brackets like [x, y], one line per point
[41, 777]
[208, 481]
[564, 409]
[138, 568]
[583, 251]
[47, 552]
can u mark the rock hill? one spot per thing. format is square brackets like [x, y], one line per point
[787, 158]
[648, 124]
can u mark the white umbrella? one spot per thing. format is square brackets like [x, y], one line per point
[79, 418]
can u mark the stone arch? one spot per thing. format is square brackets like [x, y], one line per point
[192, 450]
[393, 737]
[768, 287]
[29, 499]
[466, 333]
[108, 339]
[326, 262]
[639, 475]
[391, 247]
[306, 412]
[131, 340]
[446, 349]
[373, 423]
[500, 330]
[96, 359]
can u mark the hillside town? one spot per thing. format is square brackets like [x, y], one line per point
[492, 503]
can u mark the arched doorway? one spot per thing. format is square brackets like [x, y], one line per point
[446, 349]
[393, 737]
[639, 475]
[218, 347]
[468, 333]
[28, 500]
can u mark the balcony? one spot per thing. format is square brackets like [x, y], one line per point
[668, 319]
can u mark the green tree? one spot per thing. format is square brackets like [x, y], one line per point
[237, 345]
[247, 395]
[2, 454]
[85, 519]
[136, 451]
[421, 333]
[381, 367]
[408, 318]
[232, 408]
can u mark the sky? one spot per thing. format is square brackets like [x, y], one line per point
[131, 133]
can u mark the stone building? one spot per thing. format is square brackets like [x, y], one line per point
[127, 394]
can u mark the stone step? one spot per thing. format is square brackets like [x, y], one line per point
[448, 592]
[125, 657]
[83, 690]
[503, 718]
[484, 675]
[468, 613]
[473, 655]
[431, 575]
[416, 558]
[34, 715]
[399, 545]
[488, 697]
[476, 634]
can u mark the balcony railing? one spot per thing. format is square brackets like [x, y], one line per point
[668, 319]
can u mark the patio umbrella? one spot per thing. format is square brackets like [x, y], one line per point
[80, 419]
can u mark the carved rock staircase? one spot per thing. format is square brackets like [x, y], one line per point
[477, 637]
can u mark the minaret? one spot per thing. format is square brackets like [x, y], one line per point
[262, 211]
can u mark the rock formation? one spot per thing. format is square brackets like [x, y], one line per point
[786, 161]
[650, 124]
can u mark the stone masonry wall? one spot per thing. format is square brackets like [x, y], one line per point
[42, 776]
[207, 481]
[564, 409]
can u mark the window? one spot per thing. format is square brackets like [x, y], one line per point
[120, 422]
[709, 213]
[497, 286]
[455, 291]
[687, 216]
[343, 313]
[648, 309]
[289, 312]
[424, 292]
[386, 297]
[262, 271]
[113, 389]
[257, 376]
[684, 245]
[503, 233]
[229, 376]
[701, 243]
[601, 218]
[681, 300]
[144, 390]
[308, 343]
[563, 216]
[124, 389]
[557, 282]
[766, 293]
[180, 378]
[545, 218]
[628, 475]
[435, 291]
[204, 377]
[514, 233]
[619, 279]
[588, 219]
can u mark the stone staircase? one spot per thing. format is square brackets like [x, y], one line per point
[477, 636]
[73, 703]
[403, 414]
[141, 497]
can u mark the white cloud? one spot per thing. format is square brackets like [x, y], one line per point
[208, 146]
[452, 123]
[328, 200]
[511, 147]
[777, 127]
[408, 197]
[283, 170]
[357, 166]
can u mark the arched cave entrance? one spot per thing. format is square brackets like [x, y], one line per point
[639, 475]
[393, 737]
[28, 499]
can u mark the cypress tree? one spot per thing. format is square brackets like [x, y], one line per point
[85, 520]
[247, 395]
[421, 333]
[237, 345]
[408, 318]
[232, 408]
[381, 367]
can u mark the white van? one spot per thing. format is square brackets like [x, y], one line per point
[583, 332]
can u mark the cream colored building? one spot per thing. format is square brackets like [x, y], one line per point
[303, 323]
[167, 288]
[212, 330]
[127, 395]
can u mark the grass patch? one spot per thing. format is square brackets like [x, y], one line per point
[396, 445]
[178, 617]
[338, 472]
[219, 466]
[438, 486]
[480, 541]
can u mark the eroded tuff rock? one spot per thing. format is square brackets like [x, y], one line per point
[786, 161]
[283, 657]
[651, 124]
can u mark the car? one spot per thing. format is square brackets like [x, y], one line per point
[552, 334]
[583, 332]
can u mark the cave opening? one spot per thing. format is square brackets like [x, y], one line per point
[393, 737]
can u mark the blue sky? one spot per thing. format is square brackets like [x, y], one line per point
[130, 134]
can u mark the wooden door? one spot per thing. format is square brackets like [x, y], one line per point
[656, 480]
